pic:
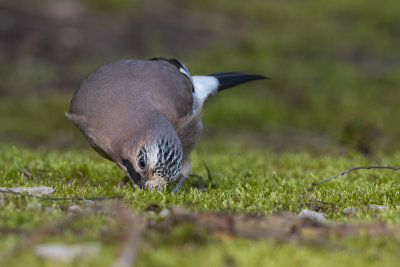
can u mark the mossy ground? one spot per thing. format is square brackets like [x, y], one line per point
[332, 104]
[250, 181]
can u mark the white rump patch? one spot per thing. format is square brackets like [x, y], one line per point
[186, 73]
[204, 86]
[183, 69]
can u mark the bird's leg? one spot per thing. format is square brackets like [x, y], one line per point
[122, 182]
[179, 184]
[184, 174]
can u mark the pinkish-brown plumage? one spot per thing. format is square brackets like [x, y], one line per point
[144, 116]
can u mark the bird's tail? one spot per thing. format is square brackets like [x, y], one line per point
[215, 82]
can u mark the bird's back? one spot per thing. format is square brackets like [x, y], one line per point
[118, 97]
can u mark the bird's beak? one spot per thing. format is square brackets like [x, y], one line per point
[154, 183]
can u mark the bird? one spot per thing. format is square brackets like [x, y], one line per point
[145, 115]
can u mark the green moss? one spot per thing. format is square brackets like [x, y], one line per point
[243, 180]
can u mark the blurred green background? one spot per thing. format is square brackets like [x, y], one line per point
[334, 67]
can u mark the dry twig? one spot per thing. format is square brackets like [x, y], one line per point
[98, 198]
[9, 230]
[347, 171]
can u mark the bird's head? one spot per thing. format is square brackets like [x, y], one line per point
[154, 163]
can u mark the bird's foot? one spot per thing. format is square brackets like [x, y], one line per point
[122, 182]
[178, 184]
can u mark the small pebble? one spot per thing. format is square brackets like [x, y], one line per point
[64, 252]
[32, 205]
[350, 210]
[164, 213]
[73, 209]
[306, 213]
[377, 207]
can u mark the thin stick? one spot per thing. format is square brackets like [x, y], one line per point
[9, 191]
[6, 230]
[349, 170]
[83, 198]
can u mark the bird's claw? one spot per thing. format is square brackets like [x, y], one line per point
[178, 184]
[123, 182]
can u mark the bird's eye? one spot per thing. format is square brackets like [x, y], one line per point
[142, 163]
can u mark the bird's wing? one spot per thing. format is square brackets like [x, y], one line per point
[100, 143]
[181, 89]
[119, 100]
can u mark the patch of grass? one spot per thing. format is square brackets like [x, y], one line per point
[264, 253]
[255, 181]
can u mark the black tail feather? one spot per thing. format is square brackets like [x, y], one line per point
[230, 79]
